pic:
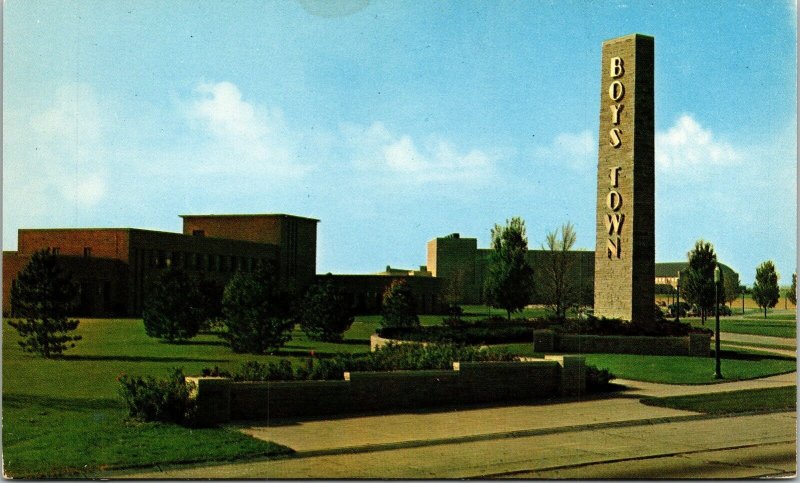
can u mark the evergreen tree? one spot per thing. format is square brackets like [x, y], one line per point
[398, 307]
[509, 281]
[765, 288]
[556, 288]
[697, 285]
[325, 313]
[173, 308]
[257, 311]
[42, 296]
[792, 293]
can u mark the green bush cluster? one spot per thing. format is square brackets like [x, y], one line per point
[598, 380]
[393, 357]
[603, 326]
[166, 400]
[494, 330]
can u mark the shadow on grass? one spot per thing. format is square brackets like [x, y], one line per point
[197, 342]
[27, 401]
[744, 356]
[72, 357]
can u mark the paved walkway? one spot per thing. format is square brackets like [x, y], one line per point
[757, 339]
[769, 440]
[568, 439]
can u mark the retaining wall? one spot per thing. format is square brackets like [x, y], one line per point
[220, 399]
[691, 345]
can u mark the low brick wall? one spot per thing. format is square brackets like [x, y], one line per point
[220, 399]
[691, 345]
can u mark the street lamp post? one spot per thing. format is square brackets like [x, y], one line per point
[678, 302]
[717, 369]
[743, 301]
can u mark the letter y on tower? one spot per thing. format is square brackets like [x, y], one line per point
[624, 278]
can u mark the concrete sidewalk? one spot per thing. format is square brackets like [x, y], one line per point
[757, 339]
[583, 453]
[572, 439]
[419, 428]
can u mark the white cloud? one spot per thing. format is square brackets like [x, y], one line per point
[576, 150]
[55, 159]
[689, 148]
[402, 159]
[243, 136]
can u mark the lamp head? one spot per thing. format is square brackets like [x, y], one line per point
[716, 274]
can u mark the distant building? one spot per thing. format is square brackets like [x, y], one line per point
[463, 267]
[667, 272]
[112, 265]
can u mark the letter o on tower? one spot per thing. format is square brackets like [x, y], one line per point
[616, 90]
[613, 200]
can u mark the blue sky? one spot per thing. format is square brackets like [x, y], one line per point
[395, 122]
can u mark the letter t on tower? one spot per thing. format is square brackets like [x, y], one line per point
[624, 278]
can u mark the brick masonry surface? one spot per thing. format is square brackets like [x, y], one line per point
[624, 282]
[545, 341]
[468, 383]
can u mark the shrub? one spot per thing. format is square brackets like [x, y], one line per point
[491, 330]
[598, 380]
[684, 309]
[325, 313]
[172, 308]
[257, 312]
[165, 400]
[393, 357]
[603, 326]
[43, 295]
[399, 308]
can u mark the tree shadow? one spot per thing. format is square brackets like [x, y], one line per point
[121, 358]
[200, 342]
[743, 356]
[27, 401]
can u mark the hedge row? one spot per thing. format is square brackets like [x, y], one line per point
[393, 357]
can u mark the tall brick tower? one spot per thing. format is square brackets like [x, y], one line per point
[624, 277]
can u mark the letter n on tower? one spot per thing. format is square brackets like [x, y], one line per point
[624, 278]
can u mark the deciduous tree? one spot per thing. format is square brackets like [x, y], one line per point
[732, 287]
[765, 288]
[42, 296]
[697, 284]
[556, 287]
[509, 281]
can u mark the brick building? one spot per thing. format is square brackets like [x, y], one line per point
[112, 265]
[462, 266]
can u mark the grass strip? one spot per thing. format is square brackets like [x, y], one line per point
[46, 437]
[745, 401]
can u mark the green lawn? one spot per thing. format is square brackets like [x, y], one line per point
[72, 404]
[64, 417]
[735, 365]
[779, 323]
[745, 401]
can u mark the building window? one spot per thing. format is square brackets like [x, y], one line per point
[87, 251]
[198, 233]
